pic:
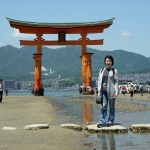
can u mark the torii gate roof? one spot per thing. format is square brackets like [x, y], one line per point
[54, 28]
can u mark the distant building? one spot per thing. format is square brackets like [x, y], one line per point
[9, 84]
[124, 82]
[17, 86]
[55, 85]
[59, 76]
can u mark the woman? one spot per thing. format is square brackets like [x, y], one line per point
[148, 89]
[131, 90]
[141, 89]
[123, 89]
[1, 90]
[108, 89]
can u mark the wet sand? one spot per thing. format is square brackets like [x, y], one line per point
[132, 104]
[19, 111]
[124, 103]
[136, 96]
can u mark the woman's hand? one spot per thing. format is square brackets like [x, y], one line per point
[115, 95]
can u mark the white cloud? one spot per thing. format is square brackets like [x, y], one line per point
[16, 33]
[1, 43]
[46, 37]
[125, 33]
[51, 72]
[45, 74]
[32, 73]
[43, 68]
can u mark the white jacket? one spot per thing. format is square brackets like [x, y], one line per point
[112, 84]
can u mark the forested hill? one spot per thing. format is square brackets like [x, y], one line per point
[18, 63]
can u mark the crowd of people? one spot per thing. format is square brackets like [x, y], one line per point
[131, 89]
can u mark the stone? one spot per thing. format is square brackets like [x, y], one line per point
[140, 128]
[9, 128]
[36, 126]
[72, 126]
[114, 128]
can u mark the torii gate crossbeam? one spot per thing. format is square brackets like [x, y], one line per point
[69, 42]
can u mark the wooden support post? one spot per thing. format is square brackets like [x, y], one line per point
[83, 43]
[83, 59]
[37, 82]
[88, 69]
[39, 51]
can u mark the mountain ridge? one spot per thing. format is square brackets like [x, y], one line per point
[17, 63]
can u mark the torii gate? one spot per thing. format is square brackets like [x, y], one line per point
[62, 29]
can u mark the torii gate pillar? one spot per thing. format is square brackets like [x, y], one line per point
[86, 63]
[88, 68]
[38, 62]
[37, 70]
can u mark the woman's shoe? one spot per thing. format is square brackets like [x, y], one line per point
[109, 124]
[100, 125]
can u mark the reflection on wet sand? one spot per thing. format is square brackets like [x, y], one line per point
[87, 110]
[107, 141]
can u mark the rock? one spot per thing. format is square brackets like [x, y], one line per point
[9, 128]
[140, 128]
[36, 126]
[114, 128]
[72, 126]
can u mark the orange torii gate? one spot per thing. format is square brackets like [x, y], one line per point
[62, 29]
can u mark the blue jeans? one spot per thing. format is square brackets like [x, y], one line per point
[141, 92]
[103, 115]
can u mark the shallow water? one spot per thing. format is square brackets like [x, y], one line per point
[74, 108]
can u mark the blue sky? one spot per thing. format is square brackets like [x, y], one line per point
[130, 30]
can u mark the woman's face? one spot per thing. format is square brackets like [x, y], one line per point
[108, 63]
